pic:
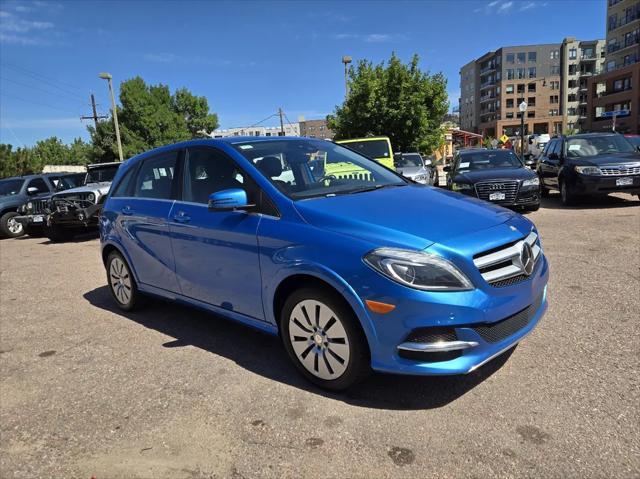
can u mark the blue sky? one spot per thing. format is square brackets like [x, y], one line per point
[247, 58]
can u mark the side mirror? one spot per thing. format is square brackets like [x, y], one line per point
[32, 190]
[446, 168]
[229, 200]
[530, 162]
[427, 162]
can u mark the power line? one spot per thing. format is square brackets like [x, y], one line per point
[45, 79]
[262, 121]
[38, 88]
[40, 104]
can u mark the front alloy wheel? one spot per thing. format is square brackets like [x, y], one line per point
[319, 339]
[324, 339]
[9, 227]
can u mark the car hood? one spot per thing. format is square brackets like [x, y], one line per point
[495, 174]
[609, 159]
[100, 188]
[412, 171]
[409, 216]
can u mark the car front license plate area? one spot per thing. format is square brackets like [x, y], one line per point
[38, 218]
[496, 196]
[624, 181]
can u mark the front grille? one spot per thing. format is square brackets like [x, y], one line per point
[508, 187]
[39, 207]
[634, 170]
[505, 265]
[76, 197]
[495, 332]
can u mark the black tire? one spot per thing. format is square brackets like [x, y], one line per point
[58, 234]
[544, 192]
[35, 231]
[566, 195]
[532, 208]
[9, 227]
[122, 284]
[358, 362]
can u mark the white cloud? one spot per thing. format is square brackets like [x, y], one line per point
[505, 6]
[527, 6]
[18, 28]
[172, 58]
[502, 7]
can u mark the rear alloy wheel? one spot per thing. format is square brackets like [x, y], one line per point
[9, 227]
[324, 340]
[121, 283]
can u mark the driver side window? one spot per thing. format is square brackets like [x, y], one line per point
[207, 171]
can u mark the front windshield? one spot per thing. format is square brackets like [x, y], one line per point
[99, 174]
[370, 148]
[68, 182]
[597, 145]
[10, 187]
[489, 159]
[409, 160]
[308, 168]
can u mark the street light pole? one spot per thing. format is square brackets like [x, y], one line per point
[108, 77]
[523, 108]
[346, 60]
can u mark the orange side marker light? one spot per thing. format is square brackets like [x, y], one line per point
[378, 307]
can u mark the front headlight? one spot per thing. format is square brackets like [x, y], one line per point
[532, 182]
[461, 186]
[421, 178]
[588, 170]
[91, 197]
[29, 206]
[419, 270]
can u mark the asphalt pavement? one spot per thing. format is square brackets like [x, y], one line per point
[173, 392]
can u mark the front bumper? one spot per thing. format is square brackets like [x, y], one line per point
[35, 220]
[469, 313]
[76, 217]
[602, 185]
[525, 197]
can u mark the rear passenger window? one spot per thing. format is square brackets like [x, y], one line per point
[123, 188]
[155, 178]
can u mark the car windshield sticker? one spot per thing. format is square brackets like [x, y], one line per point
[245, 147]
[464, 165]
[574, 147]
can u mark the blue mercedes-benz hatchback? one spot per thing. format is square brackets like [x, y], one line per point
[355, 267]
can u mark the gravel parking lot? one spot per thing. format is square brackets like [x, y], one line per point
[173, 392]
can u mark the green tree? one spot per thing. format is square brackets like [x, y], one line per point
[150, 116]
[396, 100]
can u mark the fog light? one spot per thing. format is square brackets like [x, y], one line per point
[81, 217]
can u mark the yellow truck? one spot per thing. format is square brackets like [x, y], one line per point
[376, 147]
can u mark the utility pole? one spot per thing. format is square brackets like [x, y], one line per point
[114, 109]
[281, 123]
[95, 116]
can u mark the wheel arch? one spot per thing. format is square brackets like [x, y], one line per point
[109, 247]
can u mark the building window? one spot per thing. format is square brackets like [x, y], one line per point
[532, 72]
[531, 114]
[510, 74]
[531, 87]
[555, 69]
[520, 87]
[509, 102]
[588, 52]
[573, 84]
[509, 114]
[510, 58]
[533, 57]
[521, 73]
[553, 112]
[554, 55]
[555, 85]
[521, 57]
[531, 101]
[573, 68]
[611, 65]
[509, 89]
[573, 53]
[554, 99]
[571, 111]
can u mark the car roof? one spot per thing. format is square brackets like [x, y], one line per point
[589, 135]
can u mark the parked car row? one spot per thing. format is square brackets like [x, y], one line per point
[592, 164]
[58, 206]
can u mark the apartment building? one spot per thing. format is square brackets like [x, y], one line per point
[493, 86]
[617, 88]
[290, 129]
[579, 60]
[315, 129]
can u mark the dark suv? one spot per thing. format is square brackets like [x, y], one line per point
[16, 191]
[589, 164]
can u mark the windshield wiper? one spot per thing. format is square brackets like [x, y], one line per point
[370, 188]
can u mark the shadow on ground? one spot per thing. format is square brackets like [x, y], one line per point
[263, 354]
[590, 202]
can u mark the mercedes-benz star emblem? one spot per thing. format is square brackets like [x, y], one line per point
[526, 258]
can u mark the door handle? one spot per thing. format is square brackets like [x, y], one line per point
[127, 210]
[181, 217]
